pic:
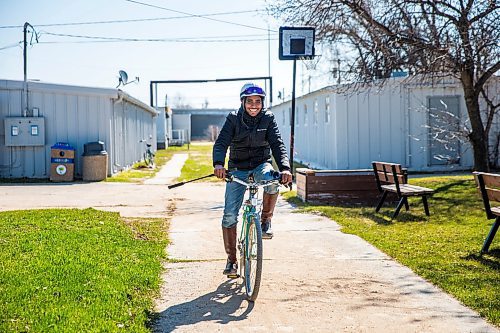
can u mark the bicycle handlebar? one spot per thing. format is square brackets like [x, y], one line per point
[276, 178]
[189, 181]
[229, 178]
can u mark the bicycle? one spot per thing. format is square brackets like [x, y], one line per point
[148, 155]
[250, 239]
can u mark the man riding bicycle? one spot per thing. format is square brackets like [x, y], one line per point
[252, 134]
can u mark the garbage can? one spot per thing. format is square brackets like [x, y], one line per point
[62, 162]
[95, 161]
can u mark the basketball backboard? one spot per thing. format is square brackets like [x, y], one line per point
[296, 43]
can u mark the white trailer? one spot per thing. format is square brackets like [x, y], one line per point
[403, 120]
[75, 115]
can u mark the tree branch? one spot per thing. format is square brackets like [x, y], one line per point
[486, 76]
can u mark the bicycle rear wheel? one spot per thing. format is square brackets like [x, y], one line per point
[253, 259]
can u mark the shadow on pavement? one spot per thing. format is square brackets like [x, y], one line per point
[221, 306]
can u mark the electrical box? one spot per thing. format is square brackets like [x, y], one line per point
[24, 131]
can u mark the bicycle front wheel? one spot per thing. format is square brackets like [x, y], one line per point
[253, 259]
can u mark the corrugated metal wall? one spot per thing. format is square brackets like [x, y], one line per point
[75, 115]
[132, 123]
[366, 123]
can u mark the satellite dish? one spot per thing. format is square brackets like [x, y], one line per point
[123, 79]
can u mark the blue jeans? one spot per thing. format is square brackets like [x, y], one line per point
[235, 191]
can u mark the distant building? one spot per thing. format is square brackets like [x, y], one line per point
[163, 127]
[74, 115]
[198, 124]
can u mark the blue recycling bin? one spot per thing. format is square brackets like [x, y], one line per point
[62, 162]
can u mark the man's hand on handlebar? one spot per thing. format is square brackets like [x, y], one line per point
[220, 171]
[286, 177]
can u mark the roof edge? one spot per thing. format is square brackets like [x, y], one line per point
[123, 95]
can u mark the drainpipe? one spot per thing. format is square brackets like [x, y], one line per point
[119, 99]
[115, 155]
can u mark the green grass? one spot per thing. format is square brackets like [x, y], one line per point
[72, 270]
[444, 248]
[140, 171]
[199, 163]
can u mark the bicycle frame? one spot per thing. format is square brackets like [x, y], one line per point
[250, 215]
[250, 204]
[250, 240]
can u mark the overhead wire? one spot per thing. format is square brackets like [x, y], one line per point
[130, 20]
[100, 39]
[181, 39]
[10, 46]
[199, 16]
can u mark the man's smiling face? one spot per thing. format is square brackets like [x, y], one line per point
[253, 105]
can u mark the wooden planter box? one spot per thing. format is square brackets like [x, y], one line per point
[337, 186]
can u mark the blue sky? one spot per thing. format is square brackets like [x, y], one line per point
[83, 61]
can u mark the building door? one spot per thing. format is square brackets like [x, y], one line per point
[444, 126]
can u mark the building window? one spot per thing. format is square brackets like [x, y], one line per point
[327, 109]
[305, 114]
[290, 116]
[296, 116]
[284, 117]
[315, 112]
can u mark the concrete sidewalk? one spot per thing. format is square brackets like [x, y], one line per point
[129, 199]
[169, 172]
[315, 279]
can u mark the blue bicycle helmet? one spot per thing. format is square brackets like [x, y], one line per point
[250, 89]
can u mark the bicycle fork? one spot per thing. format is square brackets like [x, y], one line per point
[243, 247]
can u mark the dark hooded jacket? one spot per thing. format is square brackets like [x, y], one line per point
[251, 141]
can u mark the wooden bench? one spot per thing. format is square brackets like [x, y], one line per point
[392, 178]
[489, 187]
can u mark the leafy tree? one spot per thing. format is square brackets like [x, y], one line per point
[430, 37]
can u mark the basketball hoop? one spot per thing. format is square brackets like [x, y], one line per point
[311, 64]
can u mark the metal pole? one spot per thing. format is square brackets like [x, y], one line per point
[25, 60]
[269, 66]
[292, 120]
[151, 93]
[270, 91]
[156, 95]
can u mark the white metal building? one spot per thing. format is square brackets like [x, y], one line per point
[75, 115]
[163, 126]
[345, 128]
[198, 124]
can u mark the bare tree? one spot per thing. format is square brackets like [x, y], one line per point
[430, 37]
[180, 102]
